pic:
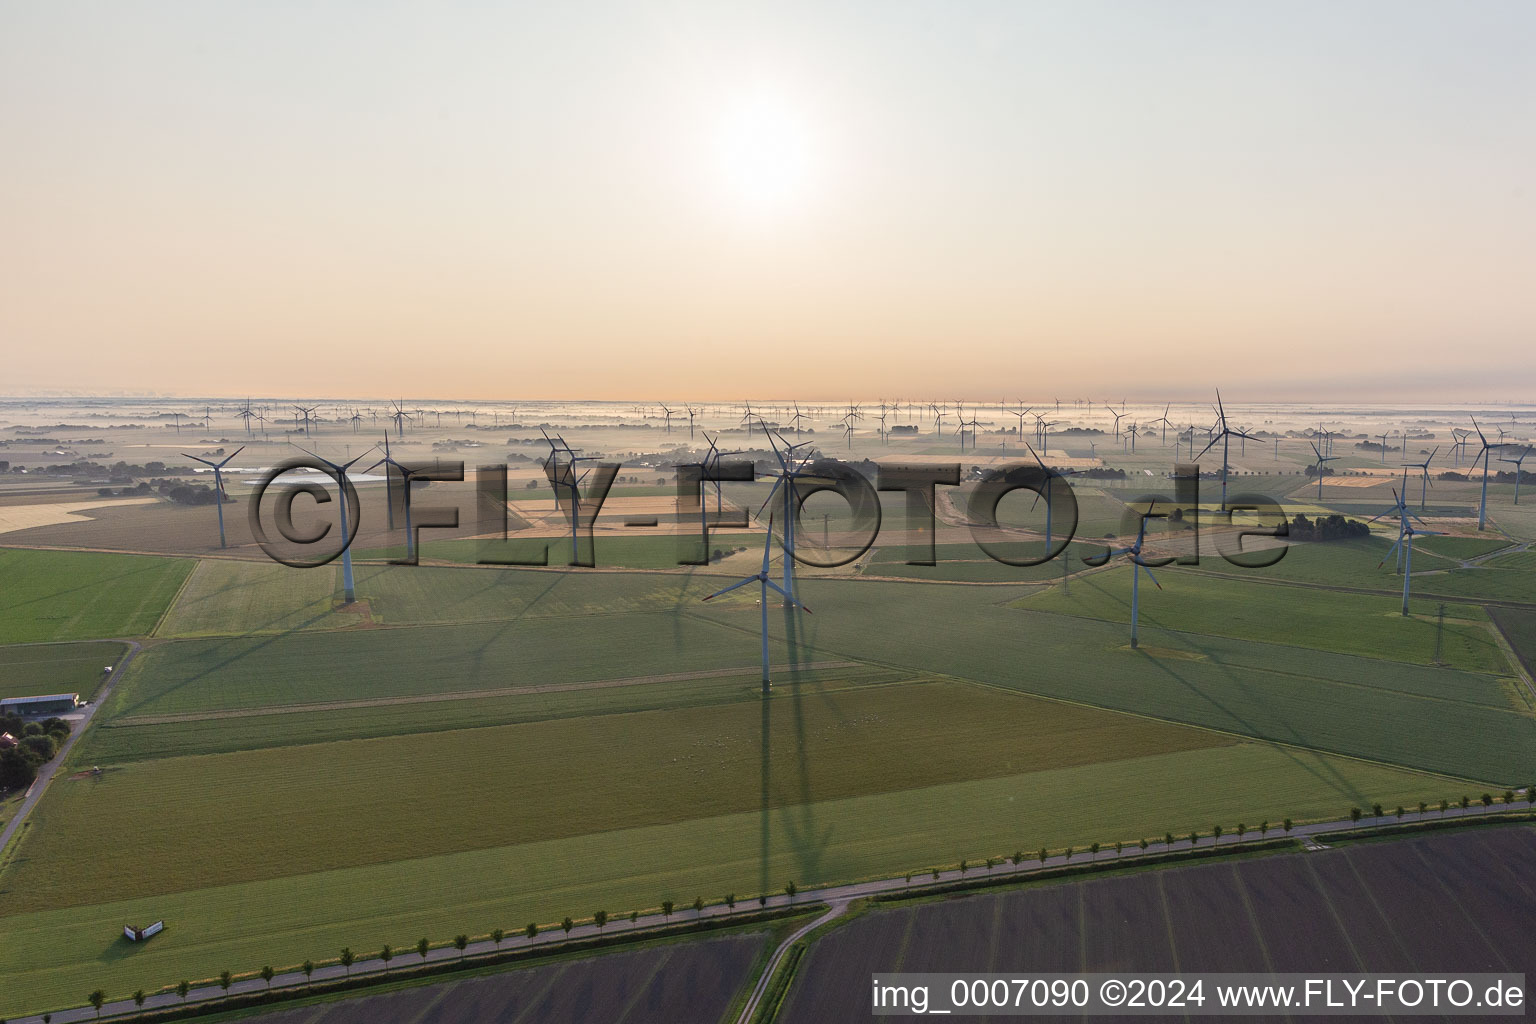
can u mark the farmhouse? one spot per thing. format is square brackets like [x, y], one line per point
[48, 704]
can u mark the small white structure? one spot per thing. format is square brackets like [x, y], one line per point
[133, 934]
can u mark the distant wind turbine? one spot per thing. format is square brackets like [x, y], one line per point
[218, 484]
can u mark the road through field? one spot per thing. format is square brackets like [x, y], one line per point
[45, 773]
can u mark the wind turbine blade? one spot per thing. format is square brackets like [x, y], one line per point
[733, 586]
[1148, 570]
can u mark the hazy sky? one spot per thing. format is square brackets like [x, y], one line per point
[661, 200]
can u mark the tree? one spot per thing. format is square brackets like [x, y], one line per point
[600, 918]
[698, 906]
[347, 959]
[1354, 814]
[1376, 810]
[1093, 849]
[1194, 837]
[182, 988]
[730, 898]
[762, 897]
[1422, 808]
[532, 931]
[1286, 825]
[1241, 831]
[138, 999]
[991, 863]
[497, 935]
[1445, 805]
[1017, 858]
[460, 942]
[267, 974]
[1530, 794]
[1400, 812]
[424, 946]
[1042, 856]
[790, 890]
[1487, 802]
[1466, 801]
[963, 866]
[1168, 839]
[225, 980]
[666, 909]
[1509, 796]
[386, 954]
[634, 915]
[1263, 828]
[97, 998]
[567, 924]
[308, 968]
[1144, 844]
[1118, 847]
[1070, 851]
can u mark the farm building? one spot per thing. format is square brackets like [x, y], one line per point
[48, 704]
[7, 741]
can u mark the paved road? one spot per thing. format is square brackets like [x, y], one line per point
[45, 773]
[836, 909]
[832, 896]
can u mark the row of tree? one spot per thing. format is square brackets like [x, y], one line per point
[601, 918]
[1330, 527]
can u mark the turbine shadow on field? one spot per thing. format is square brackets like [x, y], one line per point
[800, 817]
[1331, 777]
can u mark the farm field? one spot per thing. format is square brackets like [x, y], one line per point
[1519, 627]
[186, 676]
[1343, 563]
[660, 984]
[47, 955]
[632, 552]
[1358, 624]
[1343, 908]
[27, 669]
[1442, 720]
[262, 597]
[68, 595]
[693, 763]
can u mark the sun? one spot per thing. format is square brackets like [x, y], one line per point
[764, 154]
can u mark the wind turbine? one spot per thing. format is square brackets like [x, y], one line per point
[668, 414]
[1383, 438]
[218, 484]
[1518, 470]
[1404, 545]
[1049, 480]
[791, 468]
[1118, 417]
[1166, 422]
[389, 492]
[712, 460]
[339, 470]
[1483, 453]
[565, 475]
[765, 583]
[1423, 467]
[938, 419]
[692, 412]
[1224, 435]
[1321, 458]
[399, 416]
[1137, 566]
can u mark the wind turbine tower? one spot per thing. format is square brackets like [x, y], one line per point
[218, 484]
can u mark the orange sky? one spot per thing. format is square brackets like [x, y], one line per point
[1086, 198]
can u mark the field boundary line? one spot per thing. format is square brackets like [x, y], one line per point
[175, 598]
[458, 695]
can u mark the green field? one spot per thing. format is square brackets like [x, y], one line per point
[53, 956]
[660, 551]
[400, 797]
[1441, 720]
[226, 596]
[28, 669]
[1358, 624]
[81, 595]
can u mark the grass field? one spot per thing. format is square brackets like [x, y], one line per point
[27, 669]
[225, 596]
[1441, 720]
[1344, 623]
[53, 956]
[69, 595]
[394, 798]
[609, 552]
[185, 676]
